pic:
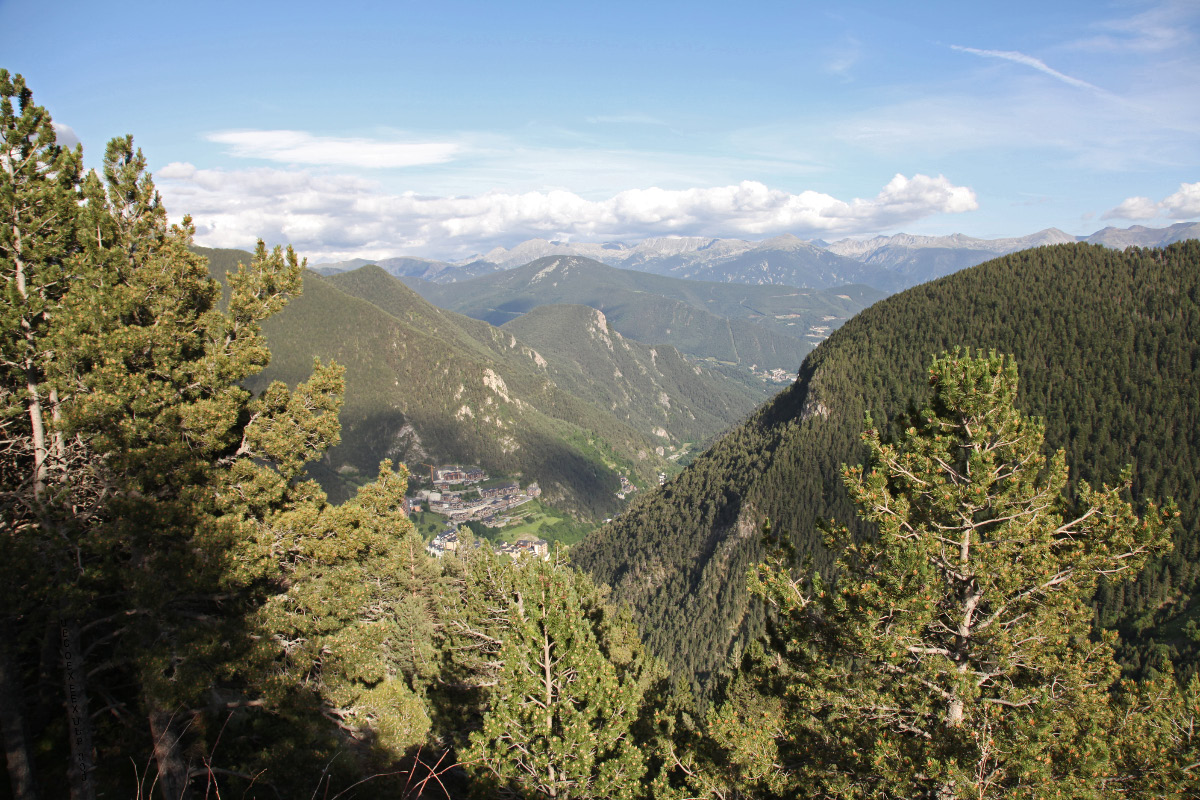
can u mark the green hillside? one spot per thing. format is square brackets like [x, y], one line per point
[418, 389]
[652, 394]
[1108, 345]
[765, 326]
[654, 389]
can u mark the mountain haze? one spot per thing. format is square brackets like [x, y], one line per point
[409, 267]
[785, 260]
[1141, 236]
[763, 326]
[887, 263]
[909, 260]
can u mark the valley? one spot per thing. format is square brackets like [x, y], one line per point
[560, 398]
[623, 401]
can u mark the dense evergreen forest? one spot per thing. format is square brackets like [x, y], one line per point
[184, 614]
[1109, 348]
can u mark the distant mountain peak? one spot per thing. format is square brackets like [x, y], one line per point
[862, 248]
[887, 263]
[786, 241]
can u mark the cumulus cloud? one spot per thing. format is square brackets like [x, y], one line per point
[333, 217]
[1183, 204]
[1029, 61]
[65, 135]
[1133, 208]
[298, 147]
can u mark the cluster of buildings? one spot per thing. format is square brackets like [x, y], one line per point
[473, 503]
[538, 548]
[452, 474]
[444, 542]
[458, 496]
[484, 504]
[775, 375]
[448, 542]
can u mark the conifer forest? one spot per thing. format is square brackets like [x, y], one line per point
[957, 558]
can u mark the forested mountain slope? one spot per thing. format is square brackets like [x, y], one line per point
[563, 345]
[651, 387]
[1108, 346]
[419, 388]
[764, 326]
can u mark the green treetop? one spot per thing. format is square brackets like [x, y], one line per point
[558, 721]
[952, 653]
[44, 484]
[137, 472]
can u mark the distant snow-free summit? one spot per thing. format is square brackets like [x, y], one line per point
[887, 263]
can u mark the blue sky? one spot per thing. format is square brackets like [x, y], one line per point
[443, 129]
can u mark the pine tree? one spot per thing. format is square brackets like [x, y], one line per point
[952, 653]
[1157, 737]
[156, 366]
[161, 512]
[349, 636]
[131, 451]
[46, 485]
[558, 721]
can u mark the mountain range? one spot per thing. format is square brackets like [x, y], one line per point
[425, 385]
[652, 388]
[750, 328]
[886, 263]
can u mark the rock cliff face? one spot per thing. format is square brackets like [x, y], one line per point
[653, 389]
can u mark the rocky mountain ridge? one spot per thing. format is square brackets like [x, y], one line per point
[888, 263]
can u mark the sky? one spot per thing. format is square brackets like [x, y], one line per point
[442, 130]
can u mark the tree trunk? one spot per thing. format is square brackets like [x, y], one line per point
[173, 769]
[12, 726]
[79, 721]
[548, 686]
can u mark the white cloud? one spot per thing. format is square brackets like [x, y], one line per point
[625, 119]
[1133, 208]
[1029, 61]
[334, 217]
[1183, 204]
[65, 135]
[841, 58]
[299, 147]
[1163, 27]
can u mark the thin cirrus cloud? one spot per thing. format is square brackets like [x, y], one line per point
[1183, 204]
[299, 147]
[1157, 29]
[841, 58]
[625, 119]
[333, 217]
[1029, 61]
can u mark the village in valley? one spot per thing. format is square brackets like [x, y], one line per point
[467, 494]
